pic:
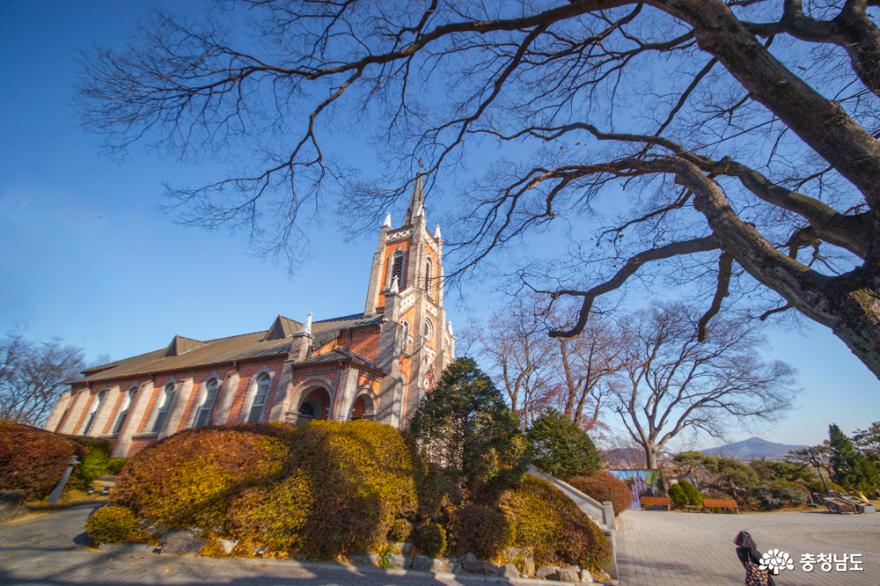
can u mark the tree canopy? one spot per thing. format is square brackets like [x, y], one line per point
[737, 138]
[464, 428]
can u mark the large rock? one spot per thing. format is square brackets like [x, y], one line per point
[182, 542]
[475, 566]
[423, 563]
[547, 572]
[528, 566]
[12, 504]
[586, 576]
[442, 565]
[228, 545]
[368, 559]
[509, 571]
[398, 561]
[569, 574]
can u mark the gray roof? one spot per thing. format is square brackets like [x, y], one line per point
[183, 353]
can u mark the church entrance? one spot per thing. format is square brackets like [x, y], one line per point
[315, 404]
[362, 408]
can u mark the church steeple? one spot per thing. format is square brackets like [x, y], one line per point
[417, 201]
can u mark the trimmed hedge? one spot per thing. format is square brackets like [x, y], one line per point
[547, 522]
[260, 484]
[481, 530]
[274, 516]
[188, 479]
[31, 459]
[400, 531]
[366, 474]
[111, 524]
[604, 486]
[430, 539]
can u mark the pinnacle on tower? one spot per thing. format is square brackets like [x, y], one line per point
[307, 327]
[387, 222]
[395, 287]
[437, 235]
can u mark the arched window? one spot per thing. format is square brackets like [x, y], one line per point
[429, 269]
[428, 329]
[206, 406]
[163, 408]
[123, 410]
[260, 397]
[96, 405]
[397, 269]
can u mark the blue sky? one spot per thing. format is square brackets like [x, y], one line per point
[87, 256]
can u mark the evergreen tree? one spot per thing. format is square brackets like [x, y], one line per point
[560, 447]
[852, 469]
[467, 432]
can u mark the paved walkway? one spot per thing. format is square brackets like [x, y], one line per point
[663, 548]
[46, 550]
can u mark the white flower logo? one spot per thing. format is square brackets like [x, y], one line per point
[776, 560]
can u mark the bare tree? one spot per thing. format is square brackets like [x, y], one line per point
[538, 372]
[32, 375]
[516, 350]
[743, 133]
[589, 361]
[672, 382]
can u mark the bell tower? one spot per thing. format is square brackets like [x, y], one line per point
[406, 287]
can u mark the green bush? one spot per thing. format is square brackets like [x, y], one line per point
[553, 527]
[115, 465]
[560, 447]
[678, 496]
[94, 460]
[430, 539]
[111, 524]
[691, 493]
[188, 479]
[273, 516]
[467, 432]
[31, 459]
[400, 531]
[604, 486]
[484, 531]
[778, 494]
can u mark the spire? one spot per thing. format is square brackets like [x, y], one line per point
[387, 223]
[437, 235]
[395, 287]
[307, 327]
[417, 201]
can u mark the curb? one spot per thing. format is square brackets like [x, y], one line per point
[140, 549]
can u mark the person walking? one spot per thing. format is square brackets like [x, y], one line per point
[750, 558]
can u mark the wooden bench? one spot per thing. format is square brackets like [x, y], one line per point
[655, 501]
[723, 504]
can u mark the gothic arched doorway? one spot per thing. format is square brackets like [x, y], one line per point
[363, 407]
[315, 404]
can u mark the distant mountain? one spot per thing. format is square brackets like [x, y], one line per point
[753, 448]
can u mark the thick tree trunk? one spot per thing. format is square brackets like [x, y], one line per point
[650, 456]
[848, 304]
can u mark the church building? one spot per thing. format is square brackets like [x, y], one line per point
[375, 364]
